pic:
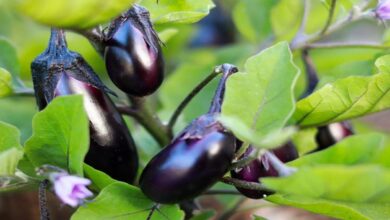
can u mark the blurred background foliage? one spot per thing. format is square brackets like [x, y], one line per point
[232, 32]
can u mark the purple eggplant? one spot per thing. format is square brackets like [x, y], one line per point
[262, 168]
[59, 72]
[197, 158]
[133, 56]
[329, 135]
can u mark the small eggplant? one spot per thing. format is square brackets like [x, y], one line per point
[261, 167]
[197, 158]
[59, 72]
[133, 56]
[330, 134]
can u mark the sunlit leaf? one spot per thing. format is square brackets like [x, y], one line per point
[60, 135]
[123, 201]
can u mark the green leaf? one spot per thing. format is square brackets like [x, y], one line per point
[336, 209]
[73, 13]
[167, 34]
[354, 150]
[9, 160]
[359, 183]
[99, 179]
[60, 135]
[344, 99]
[383, 64]
[10, 136]
[123, 201]
[262, 97]
[251, 18]
[350, 180]
[5, 83]
[255, 217]
[173, 11]
[244, 133]
[9, 60]
[204, 215]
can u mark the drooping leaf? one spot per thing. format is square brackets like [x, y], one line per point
[173, 11]
[167, 34]
[9, 136]
[242, 132]
[9, 160]
[344, 99]
[10, 149]
[60, 135]
[9, 60]
[5, 83]
[336, 209]
[262, 96]
[123, 201]
[73, 13]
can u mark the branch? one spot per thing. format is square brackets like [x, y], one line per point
[244, 184]
[222, 192]
[96, 37]
[190, 96]
[44, 212]
[311, 73]
[300, 35]
[330, 17]
[346, 45]
[147, 119]
[355, 14]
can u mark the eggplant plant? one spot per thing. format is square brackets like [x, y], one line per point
[121, 115]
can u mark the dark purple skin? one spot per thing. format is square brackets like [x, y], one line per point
[189, 165]
[329, 135]
[196, 159]
[133, 64]
[112, 149]
[261, 168]
[59, 72]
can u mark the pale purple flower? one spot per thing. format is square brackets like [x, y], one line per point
[383, 10]
[71, 190]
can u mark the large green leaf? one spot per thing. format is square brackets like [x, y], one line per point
[350, 180]
[174, 11]
[262, 96]
[73, 13]
[10, 136]
[5, 83]
[60, 135]
[359, 183]
[251, 18]
[123, 201]
[336, 209]
[354, 150]
[346, 98]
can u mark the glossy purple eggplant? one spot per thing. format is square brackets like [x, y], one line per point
[262, 168]
[197, 158]
[133, 56]
[59, 72]
[329, 135]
